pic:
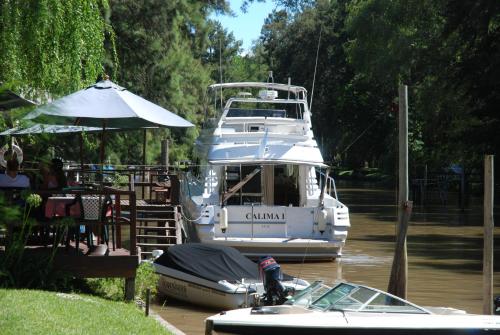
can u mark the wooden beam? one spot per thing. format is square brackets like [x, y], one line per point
[238, 186]
[489, 189]
[98, 266]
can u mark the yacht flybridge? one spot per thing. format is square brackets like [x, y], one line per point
[265, 187]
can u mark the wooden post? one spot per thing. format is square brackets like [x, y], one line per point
[488, 236]
[148, 298]
[144, 144]
[133, 221]
[164, 154]
[462, 190]
[399, 272]
[129, 288]
[398, 279]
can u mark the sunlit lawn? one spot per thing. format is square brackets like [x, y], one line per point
[40, 312]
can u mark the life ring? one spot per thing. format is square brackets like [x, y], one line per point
[17, 150]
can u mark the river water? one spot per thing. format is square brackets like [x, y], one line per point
[444, 255]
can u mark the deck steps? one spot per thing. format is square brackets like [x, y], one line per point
[156, 236]
[157, 228]
[155, 219]
[155, 245]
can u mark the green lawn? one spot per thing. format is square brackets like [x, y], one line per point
[40, 312]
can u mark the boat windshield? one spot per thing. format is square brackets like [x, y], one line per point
[308, 295]
[293, 110]
[350, 297]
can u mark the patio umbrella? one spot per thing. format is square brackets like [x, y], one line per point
[39, 128]
[104, 105]
[9, 99]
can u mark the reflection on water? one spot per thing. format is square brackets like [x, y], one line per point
[444, 256]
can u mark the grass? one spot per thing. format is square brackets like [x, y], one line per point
[41, 312]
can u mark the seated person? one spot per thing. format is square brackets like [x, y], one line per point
[12, 178]
[54, 178]
[71, 179]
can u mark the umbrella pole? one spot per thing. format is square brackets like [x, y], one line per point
[81, 158]
[103, 142]
[144, 143]
[81, 152]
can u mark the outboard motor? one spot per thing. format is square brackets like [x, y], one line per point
[270, 272]
[497, 306]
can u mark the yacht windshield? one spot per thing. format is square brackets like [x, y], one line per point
[265, 109]
[349, 297]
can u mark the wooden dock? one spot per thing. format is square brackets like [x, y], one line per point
[150, 212]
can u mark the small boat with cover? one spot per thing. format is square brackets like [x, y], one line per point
[221, 277]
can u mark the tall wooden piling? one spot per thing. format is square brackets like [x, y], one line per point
[399, 272]
[488, 235]
[164, 153]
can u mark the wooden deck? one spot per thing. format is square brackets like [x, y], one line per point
[152, 224]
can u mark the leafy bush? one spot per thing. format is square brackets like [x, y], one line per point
[21, 268]
[114, 288]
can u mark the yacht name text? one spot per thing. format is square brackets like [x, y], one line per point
[265, 216]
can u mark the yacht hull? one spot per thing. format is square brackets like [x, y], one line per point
[287, 249]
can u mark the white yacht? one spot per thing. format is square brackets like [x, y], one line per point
[265, 189]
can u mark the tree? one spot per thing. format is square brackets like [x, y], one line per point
[161, 48]
[50, 48]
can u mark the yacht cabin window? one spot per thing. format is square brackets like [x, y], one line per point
[272, 185]
[266, 109]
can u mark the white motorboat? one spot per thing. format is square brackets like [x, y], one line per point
[350, 309]
[265, 188]
[215, 276]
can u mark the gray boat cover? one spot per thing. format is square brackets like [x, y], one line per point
[210, 261]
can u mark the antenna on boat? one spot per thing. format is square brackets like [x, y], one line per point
[315, 68]
[220, 72]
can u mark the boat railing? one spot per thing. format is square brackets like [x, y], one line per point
[193, 185]
[331, 188]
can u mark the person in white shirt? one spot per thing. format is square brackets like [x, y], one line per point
[12, 178]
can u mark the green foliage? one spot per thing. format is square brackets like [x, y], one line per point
[446, 51]
[18, 266]
[39, 312]
[51, 47]
[114, 288]
[118, 180]
[146, 278]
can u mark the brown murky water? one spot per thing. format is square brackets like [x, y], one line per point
[444, 255]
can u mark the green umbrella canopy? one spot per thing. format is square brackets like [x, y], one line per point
[106, 104]
[9, 100]
[48, 129]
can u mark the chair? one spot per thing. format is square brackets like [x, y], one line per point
[96, 209]
[107, 218]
